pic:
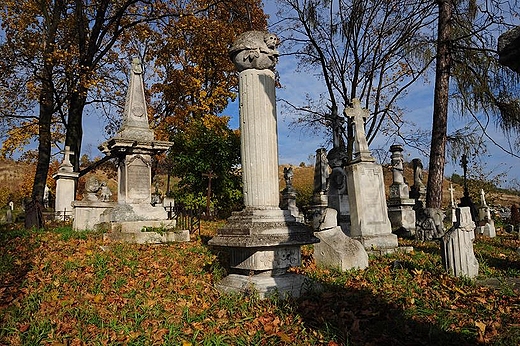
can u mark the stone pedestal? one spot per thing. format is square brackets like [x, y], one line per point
[368, 214]
[262, 240]
[87, 214]
[66, 180]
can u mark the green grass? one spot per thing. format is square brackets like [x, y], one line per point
[64, 288]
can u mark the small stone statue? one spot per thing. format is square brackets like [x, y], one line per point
[92, 186]
[255, 50]
[288, 175]
[104, 192]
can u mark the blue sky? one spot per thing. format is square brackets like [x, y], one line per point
[297, 145]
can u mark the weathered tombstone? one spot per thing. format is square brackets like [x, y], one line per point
[320, 188]
[9, 216]
[337, 250]
[486, 224]
[66, 180]
[289, 194]
[87, 212]
[263, 240]
[418, 189]
[429, 224]
[457, 253]
[133, 146]
[337, 192]
[321, 178]
[368, 213]
[400, 205]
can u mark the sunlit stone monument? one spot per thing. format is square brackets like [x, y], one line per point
[66, 180]
[400, 205]
[263, 240]
[368, 213]
[457, 252]
[486, 224]
[133, 146]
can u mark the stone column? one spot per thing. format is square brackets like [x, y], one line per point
[263, 241]
[400, 206]
[259, 138]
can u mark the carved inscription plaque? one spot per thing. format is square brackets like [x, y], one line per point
[138, 179]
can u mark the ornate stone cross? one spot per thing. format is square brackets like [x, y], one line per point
[358, 115]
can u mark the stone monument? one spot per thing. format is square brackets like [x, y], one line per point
[457, 246]
[262, 240]
[486, 224]
[337, 192]
[368, 213]
[400, 205]
[88, 211]
[133, 146]
[289, 194]
[66, 180]
[337, 250]
[418, 189]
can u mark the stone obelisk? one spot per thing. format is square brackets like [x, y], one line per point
[263, 240]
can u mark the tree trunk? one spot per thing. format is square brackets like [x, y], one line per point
[440, 107]
[44, 138]
[46, 104]
[75, 126]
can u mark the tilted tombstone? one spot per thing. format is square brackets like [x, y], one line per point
[457, 252]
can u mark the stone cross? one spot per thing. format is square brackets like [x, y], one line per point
[451, 196]
[358, 115]
[483, 198]
[66, 165]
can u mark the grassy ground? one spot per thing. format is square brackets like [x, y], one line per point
[59, 287]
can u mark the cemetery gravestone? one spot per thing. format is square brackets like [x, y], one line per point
[368, 213]
[66, 180]
[133, 146]
[486, 225]
[457, 252]
[400, 206]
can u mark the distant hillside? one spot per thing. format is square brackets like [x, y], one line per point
[13, 173]
[304, 177]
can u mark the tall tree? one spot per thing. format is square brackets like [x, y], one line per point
[440, 106]
[82, 59]
[469, 78]
[372, 50]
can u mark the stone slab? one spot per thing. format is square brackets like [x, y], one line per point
[337, 250]
[148, 237]
[87, 214]
[283, 286]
